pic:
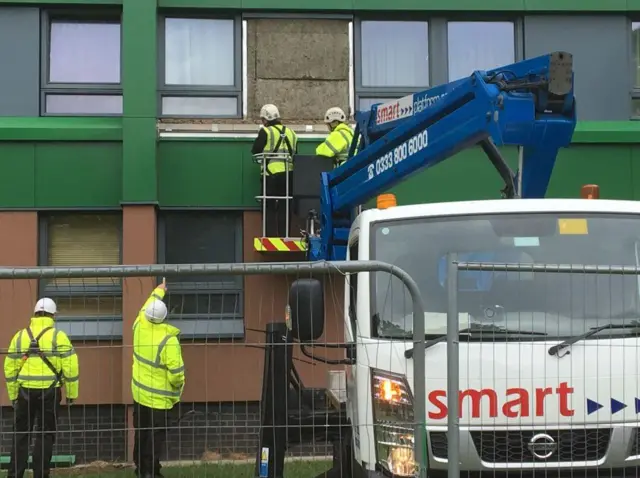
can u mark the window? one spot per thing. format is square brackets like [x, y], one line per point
[81, 66]
[398, 57]
[88, 307]
[635, 45]
[394, 60]
[200, 67]
[475, 46]
[203, 306]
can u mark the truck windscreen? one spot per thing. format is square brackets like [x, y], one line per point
[558, 305]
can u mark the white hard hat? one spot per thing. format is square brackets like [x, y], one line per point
[269, 112]
[334, 114]
[45, 305]
[156, 311]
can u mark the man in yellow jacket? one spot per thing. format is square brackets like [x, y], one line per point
[279, 145]
[156, 383]
[39, 361]
[338, 142]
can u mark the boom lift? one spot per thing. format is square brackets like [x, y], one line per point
[529, 104]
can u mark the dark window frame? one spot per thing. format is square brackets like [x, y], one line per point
[437, 49]
[104, 327]
[109, 16]
[635, 70]
[201, 91]
[188, 323]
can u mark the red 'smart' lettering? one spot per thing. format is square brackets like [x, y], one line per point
[519, 402]
[388, 113]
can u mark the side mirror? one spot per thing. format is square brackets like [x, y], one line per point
[306, 302]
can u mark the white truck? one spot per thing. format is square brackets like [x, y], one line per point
[547, 362]
[521, 408]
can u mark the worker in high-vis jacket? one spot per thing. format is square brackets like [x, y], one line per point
[157, 381]
[40, 360]
[280, 144]
[336, 145]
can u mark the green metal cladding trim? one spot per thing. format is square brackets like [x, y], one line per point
[139, 86]
[586, 132]
[50, 128]
[68, 174]
[62, 2]
[414, 5]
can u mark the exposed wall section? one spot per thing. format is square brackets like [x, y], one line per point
[300, 65]
[20, 57]
[601, 59]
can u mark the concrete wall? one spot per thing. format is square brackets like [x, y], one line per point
[300, 65]
[601, 54]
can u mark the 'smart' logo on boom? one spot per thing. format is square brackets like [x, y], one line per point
[395, 110]
[405, 107]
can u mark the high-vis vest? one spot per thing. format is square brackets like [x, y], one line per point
[158, 379]
[283, 140]
[26, 363]
[337, 144]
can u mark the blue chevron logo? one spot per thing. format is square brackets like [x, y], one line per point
[616, 406]
[593, 406]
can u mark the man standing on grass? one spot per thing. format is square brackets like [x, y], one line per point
[40, 360]
[156, 383]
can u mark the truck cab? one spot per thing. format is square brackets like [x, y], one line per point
[522, 407]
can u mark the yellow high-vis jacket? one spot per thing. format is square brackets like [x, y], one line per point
[32, 371]
[276, 144]
[337, 144]
[158, 376]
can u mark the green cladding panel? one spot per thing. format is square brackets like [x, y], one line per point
[60, 175]
[207, 174]
[222, 174]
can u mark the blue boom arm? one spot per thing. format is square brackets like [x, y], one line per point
[529, 104]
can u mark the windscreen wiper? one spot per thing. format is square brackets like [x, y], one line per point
[478, 328]
[594, 330]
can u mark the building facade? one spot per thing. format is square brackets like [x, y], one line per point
[125, 130]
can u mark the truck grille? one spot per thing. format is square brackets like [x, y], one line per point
[513, 446]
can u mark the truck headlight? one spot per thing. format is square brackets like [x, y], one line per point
[393, 422]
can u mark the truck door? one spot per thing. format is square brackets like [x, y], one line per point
[351, 335]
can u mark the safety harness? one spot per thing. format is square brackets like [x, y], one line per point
[283, 137]
[34, 349]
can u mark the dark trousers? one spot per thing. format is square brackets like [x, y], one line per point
[276, 209]
[150, 436]
[34, 404]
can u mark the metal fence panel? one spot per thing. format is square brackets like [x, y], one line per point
[218, 433]
[542, 369]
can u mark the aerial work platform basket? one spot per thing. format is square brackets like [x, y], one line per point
[280, 243]
[301, 195]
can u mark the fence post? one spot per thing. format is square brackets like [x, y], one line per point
[453, 369]
[273, 406]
